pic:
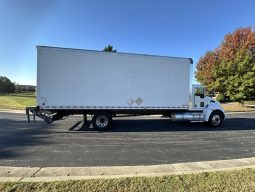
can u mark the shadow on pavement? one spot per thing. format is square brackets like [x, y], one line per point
[16, 134]
[165, 125]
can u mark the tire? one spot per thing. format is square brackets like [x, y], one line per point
[101, 121]
[216, 119]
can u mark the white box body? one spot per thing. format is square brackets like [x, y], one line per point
[83, 79]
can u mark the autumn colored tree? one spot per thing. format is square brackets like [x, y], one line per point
[205, 70]
[230, 69]
[241, 39]
[237, 69]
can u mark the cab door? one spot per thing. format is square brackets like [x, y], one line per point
[199, 97]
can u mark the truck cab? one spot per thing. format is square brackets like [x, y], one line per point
[201, 108]
[212, 110]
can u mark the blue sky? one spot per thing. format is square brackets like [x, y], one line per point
[184, 28]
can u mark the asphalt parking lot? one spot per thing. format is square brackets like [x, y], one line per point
[132, 141]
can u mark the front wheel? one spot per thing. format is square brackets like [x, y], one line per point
[216, 119]
[101, 121]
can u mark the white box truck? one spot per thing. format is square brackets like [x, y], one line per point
[110, 84]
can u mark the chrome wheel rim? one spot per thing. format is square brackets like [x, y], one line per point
[216, 120]
[101, 121]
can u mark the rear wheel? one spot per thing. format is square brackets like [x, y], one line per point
[216, 119]
[102, 120]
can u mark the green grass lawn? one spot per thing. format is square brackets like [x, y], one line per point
[17, 101]
[238, 180]
[236, 107]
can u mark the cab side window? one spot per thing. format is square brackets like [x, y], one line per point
[200, 92]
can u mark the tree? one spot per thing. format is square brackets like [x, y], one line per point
[205, 70]
[237, 76]
[231, 66]
[109, 48]
[6, 86]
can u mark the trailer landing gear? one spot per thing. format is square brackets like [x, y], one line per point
[39, 113]
[30, 110]
[45, 115]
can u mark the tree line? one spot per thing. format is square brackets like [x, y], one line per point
[230, 68]
[6, 86]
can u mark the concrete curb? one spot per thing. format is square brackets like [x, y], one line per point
[44, 174]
